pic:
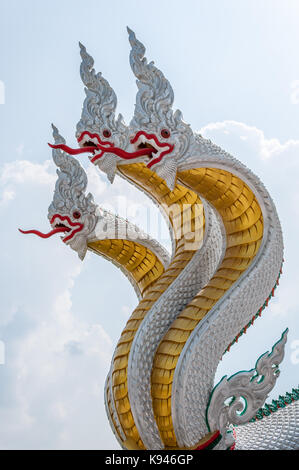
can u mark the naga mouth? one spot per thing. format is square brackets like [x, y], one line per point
[65, 225]
[89, 143]
[146, 145]
[88, 140]
[159, 149]
[94, 148]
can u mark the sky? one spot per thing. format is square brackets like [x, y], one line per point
[234, 68]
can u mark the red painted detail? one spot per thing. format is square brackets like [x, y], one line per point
[108, 147]
[157, 160]
[149, 137]
[95, 136]
[259, 313]
[165, 133]
[46, 235]
[106, 133]
[160, 144]
[209, 442]
[58, 229]
[115, 150]
[72, 224]
[235, 437]
[71, 151]
[122, 153]
[76, 215]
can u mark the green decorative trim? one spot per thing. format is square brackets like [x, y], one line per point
[214, 443]
[258, 314]
[282, 402]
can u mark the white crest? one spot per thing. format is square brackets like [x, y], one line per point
[69, 196]
[155, 95]
[100, 103]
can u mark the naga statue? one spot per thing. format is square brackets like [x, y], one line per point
[227, 254]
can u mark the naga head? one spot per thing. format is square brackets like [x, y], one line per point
[98, 130]
[156, 136]
[71, 211]
[154, 123]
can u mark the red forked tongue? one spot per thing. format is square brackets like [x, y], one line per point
[73, 151]
[46, 235]
[115, 150]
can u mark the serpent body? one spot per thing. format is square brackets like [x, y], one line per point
[227, 256]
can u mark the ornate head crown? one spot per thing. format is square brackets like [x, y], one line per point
[100, 103]
[71, 208]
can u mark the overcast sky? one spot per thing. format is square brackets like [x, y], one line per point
[234, 67]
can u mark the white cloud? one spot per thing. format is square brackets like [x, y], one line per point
[7, 195]
[96, 182]
[56, 362]
[265, 148]
[59, 368]
[24, 171]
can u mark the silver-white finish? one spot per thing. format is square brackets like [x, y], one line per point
[195, 371]
[98, 224]
[98, 113]
[153, 111]
[157, 321]
[193, 383]
[252, 386]
[69, 197]
[97, 91]
[278, 431]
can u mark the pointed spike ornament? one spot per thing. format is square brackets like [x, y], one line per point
[100, 102]
[155, 95]
[69, 195]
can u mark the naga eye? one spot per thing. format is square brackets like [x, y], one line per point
[76, 215]
[106, 133]
[165, 133]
